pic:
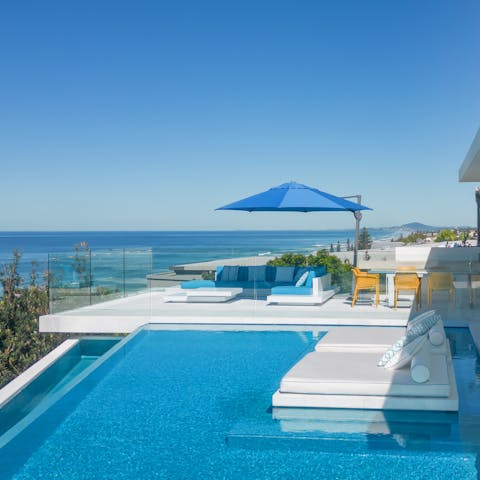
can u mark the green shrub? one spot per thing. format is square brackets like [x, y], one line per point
[446, 236]
[340, 271]
[289, 260]
[208, 275]
[21, 344]
[364, 240]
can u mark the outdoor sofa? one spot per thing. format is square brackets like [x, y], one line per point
[263, 279]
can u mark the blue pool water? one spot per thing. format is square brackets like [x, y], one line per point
[197, 404]
[53, 379]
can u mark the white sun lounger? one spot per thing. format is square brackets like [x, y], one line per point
[362, 421]
[342, 373]
[353, 380]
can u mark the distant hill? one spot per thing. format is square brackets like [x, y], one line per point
[420, 227]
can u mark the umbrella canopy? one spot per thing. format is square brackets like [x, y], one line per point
[294, 197]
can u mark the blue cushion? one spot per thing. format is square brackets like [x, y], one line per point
[271, 272]
[320, 271]
[284, 274]
[243, 274]
[309, 281]
[198, 284]
[218, 275]
[229, 273]
[291, 290]
[257, 273]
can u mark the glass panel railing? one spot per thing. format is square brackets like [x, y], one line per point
[247, 278]
[69, 280]
[87, 277]
[138, 264]
[107, 275]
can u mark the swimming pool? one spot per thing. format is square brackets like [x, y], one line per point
[196, 404]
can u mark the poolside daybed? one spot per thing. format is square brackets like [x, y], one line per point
[343, 375]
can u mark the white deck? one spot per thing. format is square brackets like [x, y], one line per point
[126, 314]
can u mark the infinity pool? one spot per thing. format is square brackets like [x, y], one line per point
[197, 404]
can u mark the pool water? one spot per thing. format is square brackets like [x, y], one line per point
[84, 353]
[197, 404]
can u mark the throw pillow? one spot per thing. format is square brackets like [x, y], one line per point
[390, 352]
[406, 353]
[421, 327]
[310, 277]
[302, 279]
[420, 318]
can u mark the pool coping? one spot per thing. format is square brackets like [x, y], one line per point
[28, 376]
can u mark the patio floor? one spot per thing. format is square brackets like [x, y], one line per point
[126, 314]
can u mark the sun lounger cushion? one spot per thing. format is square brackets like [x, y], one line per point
[356, 373]
[376, 339]
[290, 290]
[404, 355]
[198, 284]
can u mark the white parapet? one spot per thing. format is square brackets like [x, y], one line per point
[29, 375]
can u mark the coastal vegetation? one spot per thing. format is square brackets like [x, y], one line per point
[364, 240]
[21, 305]
[414, 237]
[444, 235]
[340, 271]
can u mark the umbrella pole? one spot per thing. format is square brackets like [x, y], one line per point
[477, 198]
[358, 216]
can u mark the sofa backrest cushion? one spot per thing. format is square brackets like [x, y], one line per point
[257, 273]
[229, 273]
[284, 274]
[243, 274]
[271, 272]
[319, 271]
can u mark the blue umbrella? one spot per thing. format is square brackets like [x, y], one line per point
[295, 197]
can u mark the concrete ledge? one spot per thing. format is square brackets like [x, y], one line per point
[29, 375]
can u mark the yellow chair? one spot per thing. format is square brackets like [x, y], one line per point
[404, 280]
[366, 281]
[440, 281]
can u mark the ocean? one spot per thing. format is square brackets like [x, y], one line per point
[183, 245]
[171, 247]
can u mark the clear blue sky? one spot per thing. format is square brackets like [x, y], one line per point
[150, 114]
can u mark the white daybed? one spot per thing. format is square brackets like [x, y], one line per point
[321, 291]
[342, 375]
[201, 295]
